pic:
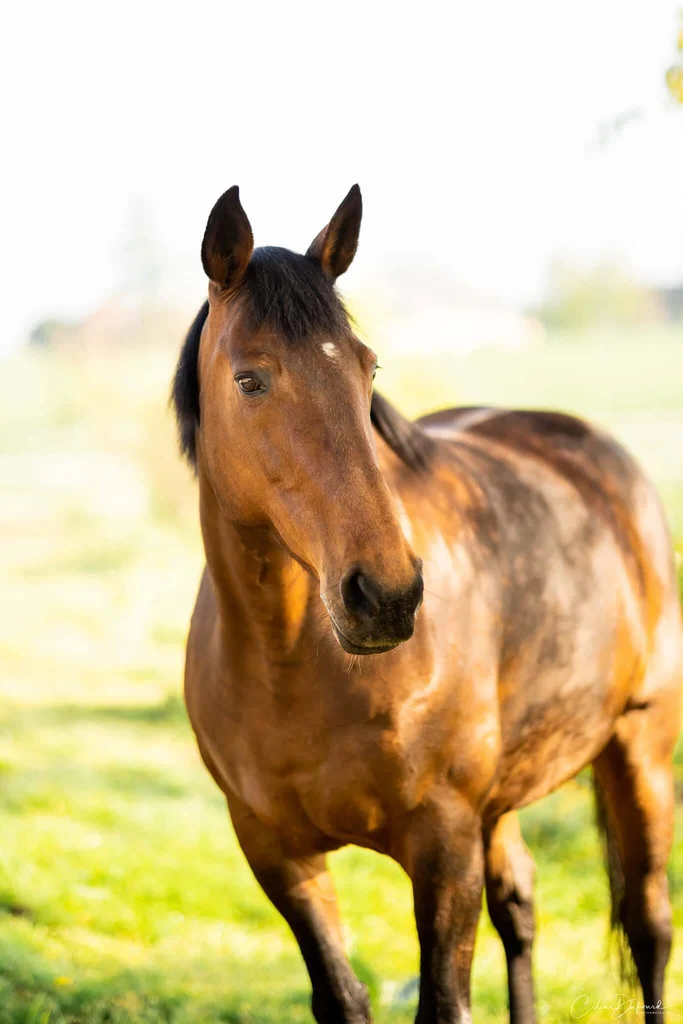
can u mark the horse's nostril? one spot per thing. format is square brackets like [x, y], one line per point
[360, 595]
[365, 599]
[418, 591]
[369, 591]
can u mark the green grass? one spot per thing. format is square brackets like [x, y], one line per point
[123, 895]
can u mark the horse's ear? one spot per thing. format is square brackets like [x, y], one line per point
[228, 241]
[336, 244]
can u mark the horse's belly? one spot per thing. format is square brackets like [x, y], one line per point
[574, 650]
[553, 726]
[545, 757]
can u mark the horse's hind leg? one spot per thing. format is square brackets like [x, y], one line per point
[634, 782]
[509, 895]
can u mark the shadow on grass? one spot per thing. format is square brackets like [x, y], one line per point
[562, 822]
[169, 711]
[141, 782]
[33, 992]
[61, 777]
[9, 905]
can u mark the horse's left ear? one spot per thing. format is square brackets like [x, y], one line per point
[336, 244]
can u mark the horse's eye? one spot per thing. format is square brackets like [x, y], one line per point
[249, 385]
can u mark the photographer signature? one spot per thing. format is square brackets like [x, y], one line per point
[617, 1006]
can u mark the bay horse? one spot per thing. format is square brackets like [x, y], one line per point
[337, 699]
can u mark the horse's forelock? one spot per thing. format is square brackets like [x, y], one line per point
[289, 293]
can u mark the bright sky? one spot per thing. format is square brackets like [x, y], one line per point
[466, 124]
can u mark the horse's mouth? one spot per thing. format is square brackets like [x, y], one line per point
[351, 648]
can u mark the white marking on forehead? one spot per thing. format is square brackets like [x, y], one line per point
[330, 349]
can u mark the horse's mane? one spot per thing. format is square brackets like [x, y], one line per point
[406, 439]
[185, 388]
[288, 292]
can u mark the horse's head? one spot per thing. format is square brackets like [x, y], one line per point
[285, 437]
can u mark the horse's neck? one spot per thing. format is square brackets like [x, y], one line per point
[262, 593]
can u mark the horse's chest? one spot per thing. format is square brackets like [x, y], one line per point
[328, 786]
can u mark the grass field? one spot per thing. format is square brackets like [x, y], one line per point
[123, 896]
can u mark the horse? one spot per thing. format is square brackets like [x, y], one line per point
[406, 631]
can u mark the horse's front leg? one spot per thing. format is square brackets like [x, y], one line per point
[303, 891]
[443, 854]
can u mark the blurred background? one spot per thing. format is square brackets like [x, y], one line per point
[522, 168]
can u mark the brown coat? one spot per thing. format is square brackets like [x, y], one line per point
[548, 634]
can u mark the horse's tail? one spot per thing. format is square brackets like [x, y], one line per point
[617, 887]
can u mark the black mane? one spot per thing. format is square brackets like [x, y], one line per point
[288, 292]
[405, 438]
[185, 388]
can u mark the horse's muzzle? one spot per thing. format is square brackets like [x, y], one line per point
[375, 618]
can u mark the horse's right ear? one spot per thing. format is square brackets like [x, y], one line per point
[228, 241]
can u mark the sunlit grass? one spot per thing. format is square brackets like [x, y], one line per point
[123, 895]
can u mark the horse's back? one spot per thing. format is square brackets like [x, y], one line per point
[558, 439]
[598, 469]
